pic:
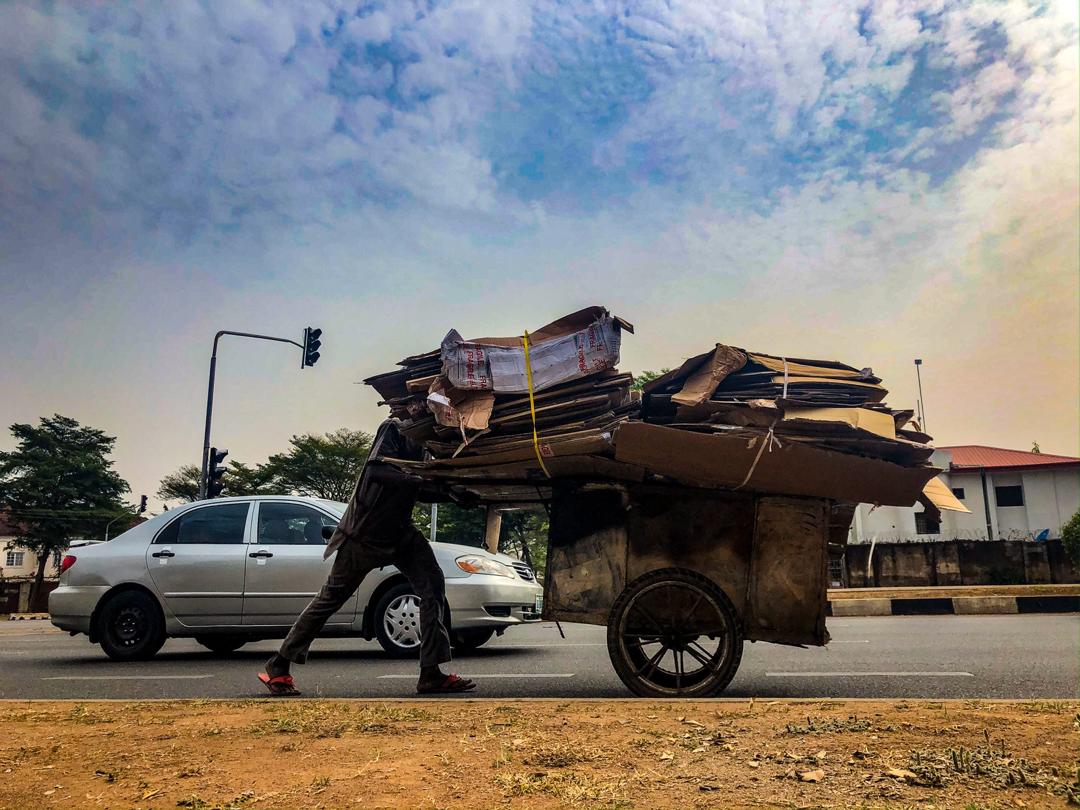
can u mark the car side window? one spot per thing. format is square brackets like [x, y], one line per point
[214, 525]
[291, 524]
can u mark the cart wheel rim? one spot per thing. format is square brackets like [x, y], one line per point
[676, 637]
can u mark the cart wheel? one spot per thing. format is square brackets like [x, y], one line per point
[674, 633]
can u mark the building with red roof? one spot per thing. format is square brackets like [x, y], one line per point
[1011, 495]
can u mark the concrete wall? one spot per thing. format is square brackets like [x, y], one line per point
[963, 562]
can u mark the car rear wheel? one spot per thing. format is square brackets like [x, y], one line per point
[397, 622]
[130, 626]
[222, 645]
[471, 638]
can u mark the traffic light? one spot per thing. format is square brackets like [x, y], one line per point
[214, 484]
[311, 347]
[142, 504]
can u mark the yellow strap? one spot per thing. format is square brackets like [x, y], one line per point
[532, 405]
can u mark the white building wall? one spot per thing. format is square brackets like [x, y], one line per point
[962, 526]
[29, 564]
[1051, 497]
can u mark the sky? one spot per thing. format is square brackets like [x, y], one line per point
[867, 182]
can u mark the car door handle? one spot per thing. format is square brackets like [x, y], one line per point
[261, 553]
[165, 553]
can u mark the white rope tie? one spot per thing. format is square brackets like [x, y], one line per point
[769, 442]
[783, 394]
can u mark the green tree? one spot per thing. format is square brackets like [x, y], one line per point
[325, 466]
[239, 479]
[182, 485]
[1070, 538]
[465, 527]
[525, 535]
[647, 377]
[59, 485]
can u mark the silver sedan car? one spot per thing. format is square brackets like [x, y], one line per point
[232, 570]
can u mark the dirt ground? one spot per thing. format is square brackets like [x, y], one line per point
[538, 754]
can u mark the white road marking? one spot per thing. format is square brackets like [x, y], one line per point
[869, 675]
[492, 675]
[126, 677]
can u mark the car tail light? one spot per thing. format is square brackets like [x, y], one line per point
[67, 562]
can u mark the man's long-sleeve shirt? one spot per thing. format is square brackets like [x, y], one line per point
[381, 506]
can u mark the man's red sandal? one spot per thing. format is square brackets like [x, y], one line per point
[280, 686]
[451, 684]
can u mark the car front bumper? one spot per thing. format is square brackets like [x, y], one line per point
[489, 601]
[72, 606]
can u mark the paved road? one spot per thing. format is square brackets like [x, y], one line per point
[1034, 656]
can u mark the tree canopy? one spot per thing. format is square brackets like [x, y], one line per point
[59, 485]
[320, 466]
[644, 377]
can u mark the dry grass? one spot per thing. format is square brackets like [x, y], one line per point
[483, 754]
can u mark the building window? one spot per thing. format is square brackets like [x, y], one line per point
[14, 559]
[959, 493]
[924, 525]
[1009, 496]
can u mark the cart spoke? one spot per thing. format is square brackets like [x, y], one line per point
[651, 664]
[701, 655]
[679, 669]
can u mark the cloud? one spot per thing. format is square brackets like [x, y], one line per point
[202, 121]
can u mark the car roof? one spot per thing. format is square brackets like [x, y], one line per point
[251, 498]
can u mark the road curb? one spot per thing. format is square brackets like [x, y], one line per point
[19, 617]
[955, 605]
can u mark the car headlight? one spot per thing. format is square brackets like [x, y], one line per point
[475, 564]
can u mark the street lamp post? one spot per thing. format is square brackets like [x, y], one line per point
[922, 405]
[210, 388]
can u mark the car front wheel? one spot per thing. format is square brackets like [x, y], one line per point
[397, 622]
[130, 627]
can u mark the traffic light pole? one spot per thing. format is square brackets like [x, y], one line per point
[210, 397]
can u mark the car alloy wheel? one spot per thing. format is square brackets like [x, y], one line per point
[401, 621]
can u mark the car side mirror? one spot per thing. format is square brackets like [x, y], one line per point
[327, 532]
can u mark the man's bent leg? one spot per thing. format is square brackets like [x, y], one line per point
[416, 560]
[352, 563]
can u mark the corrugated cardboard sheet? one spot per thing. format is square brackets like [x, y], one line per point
[734, 460]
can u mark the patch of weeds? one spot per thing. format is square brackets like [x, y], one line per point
[986, 762]
[568, 787]
[829, 725]
[559, 756]
[1046, 707]
[319, 784]
[193, 803]
[82, 715]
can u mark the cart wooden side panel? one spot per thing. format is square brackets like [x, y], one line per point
[767, 553]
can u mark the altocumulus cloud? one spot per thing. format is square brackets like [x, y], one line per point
[198, 120]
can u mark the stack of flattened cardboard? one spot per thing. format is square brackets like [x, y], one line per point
[469, 399]
[821, 403]
[727, 419]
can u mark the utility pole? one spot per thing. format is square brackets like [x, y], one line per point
[311, 356]
[922, 405]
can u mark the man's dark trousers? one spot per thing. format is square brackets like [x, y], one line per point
[355, 560]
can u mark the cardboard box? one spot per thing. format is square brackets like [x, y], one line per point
[576, 346]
